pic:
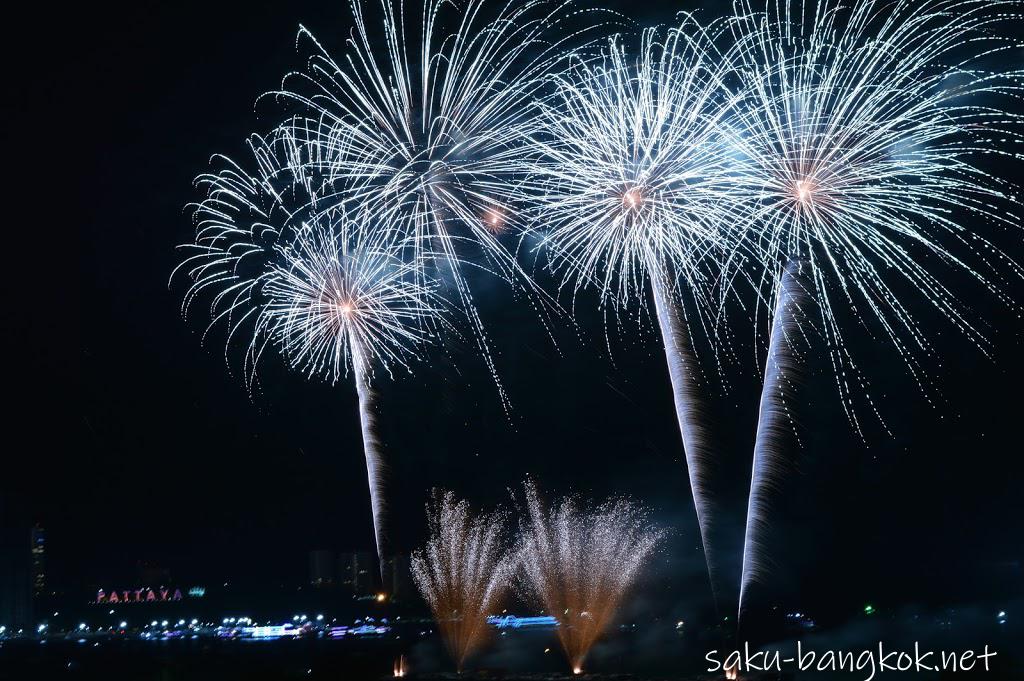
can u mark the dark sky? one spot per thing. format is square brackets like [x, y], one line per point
[131, 441]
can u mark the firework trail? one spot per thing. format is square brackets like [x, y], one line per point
[579, 564]
[863, 140]
[314, 284]
[371, 446]
[682, 367]
[631, 180]
[462, 572]
[773, 425]
[416, 125]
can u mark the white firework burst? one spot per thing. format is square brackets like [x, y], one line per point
[633, 186]
[866, 141]
[335, 302]
[419, 126]
[629, 169]
[862, 140]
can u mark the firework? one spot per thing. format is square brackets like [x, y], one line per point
[579, 564]
[462, 572]
[313, 283]
[773, 424]
[417, 126]
[861, 141]
[632, 179]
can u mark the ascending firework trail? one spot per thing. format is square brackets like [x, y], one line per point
[774, 424]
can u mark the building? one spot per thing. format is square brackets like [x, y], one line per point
[323, 568]
[16, 588]
[353, 573]
[37, 548]
[358, 573]
[398, 577]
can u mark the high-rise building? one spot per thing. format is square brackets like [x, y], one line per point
[322, 568]
[358, 573]
[398, 576]
[37, 548]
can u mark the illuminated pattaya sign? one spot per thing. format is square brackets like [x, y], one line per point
[138, 596]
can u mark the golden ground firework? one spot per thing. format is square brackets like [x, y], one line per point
[579, 563]
[462, 572]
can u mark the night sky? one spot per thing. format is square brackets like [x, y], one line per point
[130, 440]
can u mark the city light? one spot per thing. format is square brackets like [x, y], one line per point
[123, 625]
[869, 609]
[273, 632]
[513, 622]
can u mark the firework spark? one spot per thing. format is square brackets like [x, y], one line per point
[632, 180]
[462, 572]
[579, 564]
[315, 284]
[417, 126]
[862, 140]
